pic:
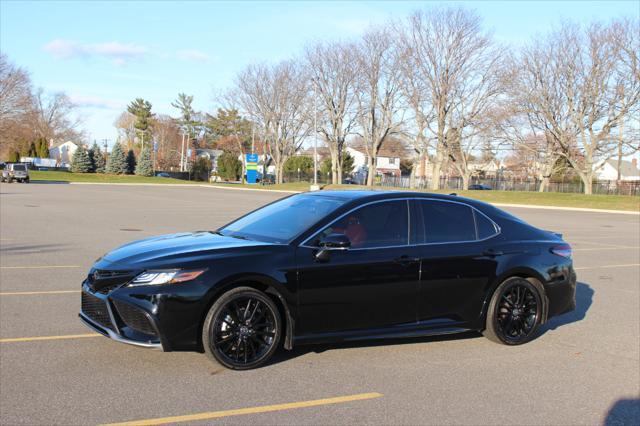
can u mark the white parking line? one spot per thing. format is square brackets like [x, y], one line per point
[40, 267]
[30, 293]
[625, 265]
[607, 248]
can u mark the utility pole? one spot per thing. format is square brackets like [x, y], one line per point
[315, 138]
[182, 154]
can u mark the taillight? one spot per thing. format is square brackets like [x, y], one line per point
[563, 250]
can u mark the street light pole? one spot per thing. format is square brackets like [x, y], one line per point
[315, 138]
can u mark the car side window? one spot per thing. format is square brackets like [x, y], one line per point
[446, 222]
[376, 225]
[486, 228]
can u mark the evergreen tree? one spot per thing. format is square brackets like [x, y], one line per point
[145, 164]
[142, 110]
[80, 163]
[92, 169]
[131, 162]
[42, 148]
[98, 159]
[229, 167]
[14, 157]
[117, 161]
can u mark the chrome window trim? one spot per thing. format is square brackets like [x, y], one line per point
[473, 209]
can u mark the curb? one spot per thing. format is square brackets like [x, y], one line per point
[575, 209]
[252, 189]
[524, 206]
[181, 185]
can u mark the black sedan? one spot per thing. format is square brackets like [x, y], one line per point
[479, 187]
[333, 266]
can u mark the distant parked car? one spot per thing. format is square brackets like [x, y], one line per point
[266, 179]
[480, 187]
[163, 174]
[15, 171]
[349, 181]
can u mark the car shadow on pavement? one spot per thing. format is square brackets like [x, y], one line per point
[624, 412]
[584, 299]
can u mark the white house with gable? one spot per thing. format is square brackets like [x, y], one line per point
[609, 170]
[63, 153]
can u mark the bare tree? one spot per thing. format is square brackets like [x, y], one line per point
[167, 134]
[443, 47]
[15, 104]
[378, 92]
[54, 117]
[475, 110]
[277, 98]
[572, 89]
[333, 70]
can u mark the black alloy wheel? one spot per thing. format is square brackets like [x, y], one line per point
[514, 312]
[242, 329]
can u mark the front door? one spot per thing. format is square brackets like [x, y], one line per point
[373, 284]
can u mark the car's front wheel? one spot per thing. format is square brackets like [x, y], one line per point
[242, 329]
[514, 313]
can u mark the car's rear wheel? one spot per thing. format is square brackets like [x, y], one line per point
[242, 329]
[514, 313]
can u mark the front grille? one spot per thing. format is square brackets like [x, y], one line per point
[104, 281]
[96, 309]
[135, 318]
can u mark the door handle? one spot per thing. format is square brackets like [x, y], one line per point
[492, 253]
[406, 260]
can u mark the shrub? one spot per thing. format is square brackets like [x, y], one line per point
[229, 167]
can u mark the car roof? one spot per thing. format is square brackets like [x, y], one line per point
[377, 194]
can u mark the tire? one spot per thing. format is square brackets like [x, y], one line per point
[26, 180]
[242, 329]
[515, 312]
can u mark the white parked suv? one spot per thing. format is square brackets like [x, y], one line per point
[15, 171]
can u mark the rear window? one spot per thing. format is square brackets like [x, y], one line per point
[19, 168]
[447, 222]
[486, 228]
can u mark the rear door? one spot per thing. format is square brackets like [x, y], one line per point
[456, 269]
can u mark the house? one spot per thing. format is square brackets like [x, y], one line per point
[63, 153]
[608, 170]
[388, 160]
[211, 155]
[486, 169]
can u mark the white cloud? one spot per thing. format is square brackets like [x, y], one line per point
[118, 52]
[192, 55]
[95, 102]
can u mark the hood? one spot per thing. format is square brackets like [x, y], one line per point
[183, 247]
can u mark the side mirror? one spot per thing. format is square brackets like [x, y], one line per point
[332, 242]
[335, 242]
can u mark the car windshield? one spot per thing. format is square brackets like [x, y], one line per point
[19, 168]
[282, 221]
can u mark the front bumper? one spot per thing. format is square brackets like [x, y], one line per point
[114, 320]
[118, 338]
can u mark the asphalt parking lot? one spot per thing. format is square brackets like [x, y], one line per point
[584, 368]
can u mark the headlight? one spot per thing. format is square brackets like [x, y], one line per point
[171, 276]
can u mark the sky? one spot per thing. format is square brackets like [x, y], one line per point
[105, 54]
